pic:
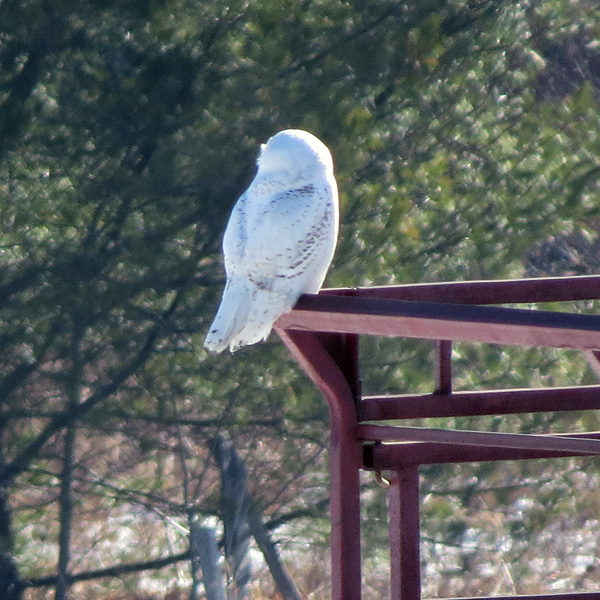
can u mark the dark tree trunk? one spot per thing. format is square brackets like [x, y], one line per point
[242, 519]
[235, 502]
[10, 585]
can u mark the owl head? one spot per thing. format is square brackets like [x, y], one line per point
[295, 151]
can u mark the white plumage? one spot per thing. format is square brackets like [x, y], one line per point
[279, 240]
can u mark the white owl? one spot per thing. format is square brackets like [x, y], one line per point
[279, 240]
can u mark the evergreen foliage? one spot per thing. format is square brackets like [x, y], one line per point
[467, 146]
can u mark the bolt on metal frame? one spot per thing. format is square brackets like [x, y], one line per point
[322, 334]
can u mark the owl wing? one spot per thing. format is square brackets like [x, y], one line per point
[291, 239]
[235, 237]
[276, 246]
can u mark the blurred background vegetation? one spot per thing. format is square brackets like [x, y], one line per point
[467, 145]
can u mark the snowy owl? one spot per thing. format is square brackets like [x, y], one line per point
[279, 240]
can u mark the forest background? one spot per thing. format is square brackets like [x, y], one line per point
[466, 138]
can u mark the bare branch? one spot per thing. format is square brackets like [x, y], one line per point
[114, 571]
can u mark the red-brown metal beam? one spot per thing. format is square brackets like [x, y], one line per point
[330, 361]
[568, 596]
[405, 556]
[434, 320]
[443, 367]
[477, 403]
[585, 444]
[392, 456]
[502, 291]
[440, 311]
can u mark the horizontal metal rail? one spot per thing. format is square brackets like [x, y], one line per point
[434, 320]
[587, 443]
[493, 291]
[478, 403]
[379, 456]
[567, 596]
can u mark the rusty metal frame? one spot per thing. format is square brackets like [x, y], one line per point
[322, 333]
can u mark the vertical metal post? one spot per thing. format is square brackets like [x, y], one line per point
[404, 534]
[443, 367]
[344, 463]
[331, 361]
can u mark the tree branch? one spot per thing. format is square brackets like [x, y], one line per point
[63, 419]
[114, 571]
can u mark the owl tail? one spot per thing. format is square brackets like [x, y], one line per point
[246, 316]
[265, 308]
[230, 318]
